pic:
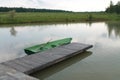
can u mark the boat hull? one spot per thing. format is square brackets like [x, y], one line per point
[46, 46]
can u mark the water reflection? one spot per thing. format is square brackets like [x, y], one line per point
[61, 66]
[90, 23]
[113, 28]
[28, 35]
[103, 64]
[13, 31]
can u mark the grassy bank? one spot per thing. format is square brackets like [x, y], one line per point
[14, 18]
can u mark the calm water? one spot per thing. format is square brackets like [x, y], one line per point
[102, 62]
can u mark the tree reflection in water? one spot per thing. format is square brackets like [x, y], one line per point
[113, 27]
[13, 31]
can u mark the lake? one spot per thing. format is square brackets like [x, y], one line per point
[102, 62]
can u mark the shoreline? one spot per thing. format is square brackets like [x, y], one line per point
[47, 17]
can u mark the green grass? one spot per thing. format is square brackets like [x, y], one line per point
[5, 18]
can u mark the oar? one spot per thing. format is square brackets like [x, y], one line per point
[45, 44]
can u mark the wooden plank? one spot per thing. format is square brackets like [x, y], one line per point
[58, 51]
[19, 62]
[77, 46]
[29, 62]
[7, 77]
[15, 66]
[7, 73]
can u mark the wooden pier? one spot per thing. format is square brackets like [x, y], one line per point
[32, 63]
[7, 73]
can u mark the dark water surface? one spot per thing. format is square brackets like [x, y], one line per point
[102, 62]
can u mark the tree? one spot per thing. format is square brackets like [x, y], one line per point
[21, 9]
[114, 8]
[12, 14]
[118, 3]
[111, 4]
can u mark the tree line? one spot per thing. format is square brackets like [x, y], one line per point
[113, 8]
[21, 9]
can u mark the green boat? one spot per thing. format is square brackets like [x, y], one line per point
[46, 46]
